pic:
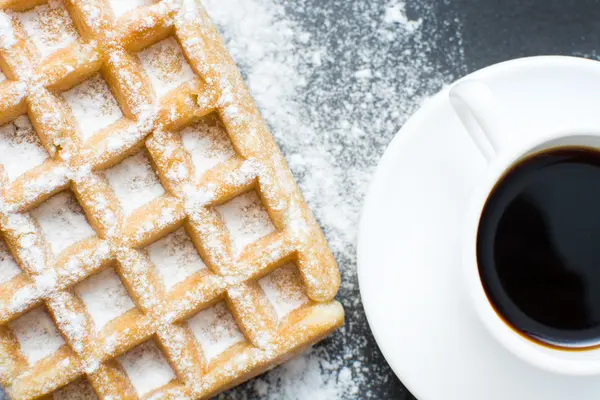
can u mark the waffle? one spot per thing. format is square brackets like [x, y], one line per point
[153, 241]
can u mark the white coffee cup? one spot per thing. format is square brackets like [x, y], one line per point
[473, 102]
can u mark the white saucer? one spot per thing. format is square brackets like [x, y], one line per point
[408, 249]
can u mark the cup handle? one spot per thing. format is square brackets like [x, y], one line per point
[473, 102]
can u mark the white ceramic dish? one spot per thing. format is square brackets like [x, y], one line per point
[409, 249]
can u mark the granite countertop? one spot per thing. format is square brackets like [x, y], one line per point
[335, 80]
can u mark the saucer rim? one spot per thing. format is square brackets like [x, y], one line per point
[396, 145]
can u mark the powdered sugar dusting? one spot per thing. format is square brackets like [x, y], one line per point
[215, 330]
[189, 10]
[62, 221]
[72, 322]
[134, 182]
[37, 335]
[8, 267]
[7, 33]
[105, 297]
[175, 257]
[93, 106]
[20, 147]
[306, 377]
[246, 220]
[79, 390]
[284, 290]
[395, 13]
[30, 252]
[146, 367]
[207, 143]
[120, 7]
[166, 65]
[49, 26]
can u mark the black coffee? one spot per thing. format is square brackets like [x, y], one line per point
[538, 247]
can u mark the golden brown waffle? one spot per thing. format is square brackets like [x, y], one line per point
[154, 242]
